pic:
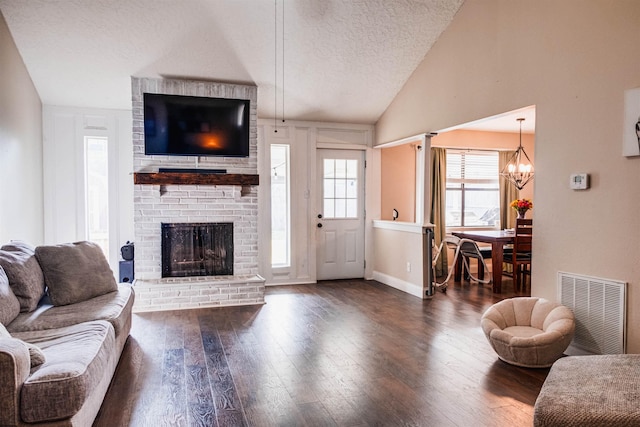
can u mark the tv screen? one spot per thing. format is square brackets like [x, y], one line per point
[195, 126]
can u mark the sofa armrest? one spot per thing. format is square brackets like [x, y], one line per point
[14, 370]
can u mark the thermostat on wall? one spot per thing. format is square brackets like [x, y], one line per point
[579, 181]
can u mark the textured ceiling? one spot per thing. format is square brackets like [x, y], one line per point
[344, 60]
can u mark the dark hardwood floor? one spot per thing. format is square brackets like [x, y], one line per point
[347, 353]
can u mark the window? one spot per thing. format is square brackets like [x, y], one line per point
[340, 196]
[280, 202]
[473, 193]
[97, 191]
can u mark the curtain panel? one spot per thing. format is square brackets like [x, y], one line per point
[438, 211]
[508, 193]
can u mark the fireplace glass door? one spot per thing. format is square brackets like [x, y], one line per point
[197, 249]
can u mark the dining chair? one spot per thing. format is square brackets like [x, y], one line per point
[469, 249]
[520, 257]
[449, 242]
[463, 251]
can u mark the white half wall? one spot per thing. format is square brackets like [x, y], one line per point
[399, 256]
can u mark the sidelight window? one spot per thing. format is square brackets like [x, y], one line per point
[97, 191]
[280, 206]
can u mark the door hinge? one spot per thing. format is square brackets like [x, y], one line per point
[365, 164]
[365, 263]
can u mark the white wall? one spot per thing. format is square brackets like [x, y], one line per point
[573, 60]
[64, 132]
[304, 138]
[21, 208]
[64, 220]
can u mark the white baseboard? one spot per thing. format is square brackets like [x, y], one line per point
[401, 285]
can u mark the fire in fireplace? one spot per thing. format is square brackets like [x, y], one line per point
[197, 249]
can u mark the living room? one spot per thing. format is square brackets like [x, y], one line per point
[572, 59]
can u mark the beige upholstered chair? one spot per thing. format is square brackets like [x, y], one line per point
[530, 332]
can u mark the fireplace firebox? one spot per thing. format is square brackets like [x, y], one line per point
[197, 249]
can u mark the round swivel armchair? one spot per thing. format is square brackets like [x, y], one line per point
[528, 331]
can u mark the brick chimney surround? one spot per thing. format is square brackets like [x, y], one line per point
[197, 201]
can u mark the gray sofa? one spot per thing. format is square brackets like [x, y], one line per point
[590, 391]
[64, 322]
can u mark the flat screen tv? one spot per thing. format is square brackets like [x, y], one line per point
[195, 126]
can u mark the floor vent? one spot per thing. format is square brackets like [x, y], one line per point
[600, 307]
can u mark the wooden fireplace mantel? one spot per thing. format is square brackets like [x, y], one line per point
[194, 178]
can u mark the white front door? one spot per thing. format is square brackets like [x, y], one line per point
[340, 214]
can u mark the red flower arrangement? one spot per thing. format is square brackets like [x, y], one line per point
[522, 206]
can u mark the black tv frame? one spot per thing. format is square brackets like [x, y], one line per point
[177, 125]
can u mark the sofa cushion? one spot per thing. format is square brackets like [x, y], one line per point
[590, 391]
[75, 272]
[9, 304]
[77, 359]
[36, 355]
[24, 273]
[114, 307]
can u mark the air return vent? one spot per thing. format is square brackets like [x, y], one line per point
[599, 306]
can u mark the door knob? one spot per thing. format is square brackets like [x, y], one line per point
[320, 216]
[319, 225]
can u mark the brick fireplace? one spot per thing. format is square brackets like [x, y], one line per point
[196, 203]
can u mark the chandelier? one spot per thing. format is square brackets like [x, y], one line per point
[519, 169]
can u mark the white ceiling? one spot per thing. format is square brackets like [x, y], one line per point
[344, 61]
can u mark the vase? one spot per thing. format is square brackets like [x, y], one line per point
[521, 213]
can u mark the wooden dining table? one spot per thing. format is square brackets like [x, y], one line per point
[497, 239]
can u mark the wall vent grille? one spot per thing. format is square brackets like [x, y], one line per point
[599, 306]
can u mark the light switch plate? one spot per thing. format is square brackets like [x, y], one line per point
[579, 181]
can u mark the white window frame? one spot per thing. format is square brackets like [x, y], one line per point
[465, 180]
[286, 167]
[86, 191]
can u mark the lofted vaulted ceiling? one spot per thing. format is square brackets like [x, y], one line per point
[343, 60]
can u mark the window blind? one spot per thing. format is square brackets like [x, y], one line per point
[472, 167]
